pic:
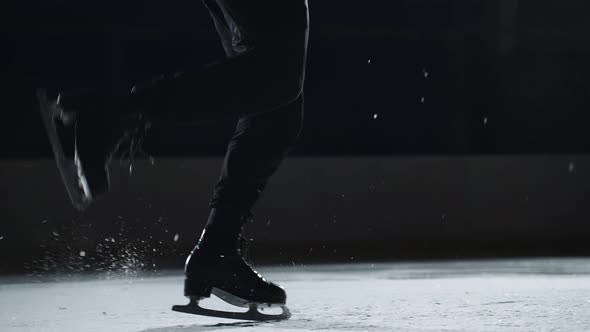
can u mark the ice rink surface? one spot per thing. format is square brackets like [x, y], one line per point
[492, 295]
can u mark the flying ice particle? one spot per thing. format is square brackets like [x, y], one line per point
[425, 73]
[422, 100]
[369, 61]
[82, 253]
[176, 236]
[485, 120]
[1, 237]
[375, 116]
[571, 167]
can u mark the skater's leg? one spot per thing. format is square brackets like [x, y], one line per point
[259, 144]
[261, 139]
[257, 148]
[255, 152]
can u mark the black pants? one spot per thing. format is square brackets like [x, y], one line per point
[260, 83]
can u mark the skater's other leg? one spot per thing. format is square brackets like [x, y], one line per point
[84, 143]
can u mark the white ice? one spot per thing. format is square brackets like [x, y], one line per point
[503, 295]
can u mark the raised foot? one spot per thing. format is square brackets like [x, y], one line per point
[252, 314]
[72, 175]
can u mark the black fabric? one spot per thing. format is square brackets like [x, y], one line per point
[260, 83]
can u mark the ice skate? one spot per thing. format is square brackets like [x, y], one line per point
[232, 280]
[216, 266]
[83, 144]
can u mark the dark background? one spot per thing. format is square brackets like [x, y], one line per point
[522, 64]
[482, 107]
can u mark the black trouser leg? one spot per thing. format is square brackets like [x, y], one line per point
[255, 152]
[263, 87]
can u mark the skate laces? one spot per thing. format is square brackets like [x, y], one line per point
[130, 145]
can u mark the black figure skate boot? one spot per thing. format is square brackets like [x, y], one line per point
[216, 266]
[84, 138]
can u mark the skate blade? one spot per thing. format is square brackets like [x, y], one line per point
[67, 168]
[252, 314]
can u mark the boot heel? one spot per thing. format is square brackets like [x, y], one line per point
[196, 288]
